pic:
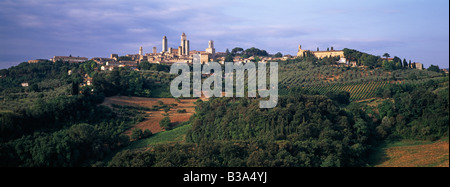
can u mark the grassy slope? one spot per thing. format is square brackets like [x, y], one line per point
[175, 135]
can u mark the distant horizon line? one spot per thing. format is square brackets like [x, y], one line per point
[15, 63]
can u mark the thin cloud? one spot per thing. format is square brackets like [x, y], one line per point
[95, 28]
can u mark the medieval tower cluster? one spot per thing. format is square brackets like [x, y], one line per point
[184, 48]
[171, 55]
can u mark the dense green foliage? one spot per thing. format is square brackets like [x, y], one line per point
[313, 124]
[59, 121]
[415, 111]
[303, 73]
[278, 55]
[362, 58]
[34, 74]
[362, 83]
[303, 130]
[79, 145]
[434, 68]
[64, 131]
[138, 134]
[53, 125]
[253, 51]
[165, 123]
[121, 82]
[145, 65]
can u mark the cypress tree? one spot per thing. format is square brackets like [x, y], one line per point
[75, 88]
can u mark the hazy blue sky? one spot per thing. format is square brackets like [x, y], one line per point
[411, 29]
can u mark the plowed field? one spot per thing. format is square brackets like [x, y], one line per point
[423, 155]
[151, 122]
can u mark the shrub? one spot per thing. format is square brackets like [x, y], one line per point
[166, 109]
[165, 123]
[147, 133]
[136, 134]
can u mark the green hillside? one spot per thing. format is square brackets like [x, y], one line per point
[320, 119]
[360, 82]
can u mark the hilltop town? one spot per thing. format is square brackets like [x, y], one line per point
[204, 87]
[336, 104]
[168, 55]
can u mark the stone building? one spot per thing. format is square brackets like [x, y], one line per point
[101, 60]
[69, 59]
[211, 49]
[180, 51]
[169, 55]
[184, 45]
[417, 65]
[322, 54]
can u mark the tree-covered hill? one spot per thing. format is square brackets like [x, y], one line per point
[319, 119]
[57, 121]
[316, 131]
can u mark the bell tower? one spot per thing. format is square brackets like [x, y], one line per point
[300, 51]
[211, 49]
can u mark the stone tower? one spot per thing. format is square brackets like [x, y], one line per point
[140, 51]
[300, 51]
[183, 37]
[164, 44]
[211, 49]
[184, 45]
[187, 48]
[210, 44]
[180, 51]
